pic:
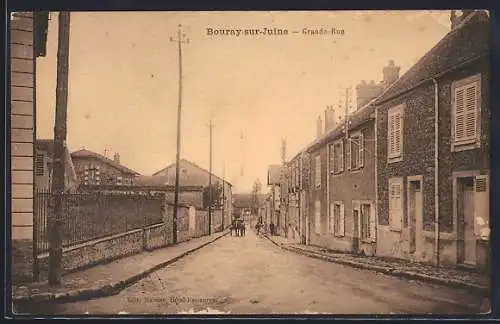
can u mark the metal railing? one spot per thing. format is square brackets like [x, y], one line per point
[90, 216]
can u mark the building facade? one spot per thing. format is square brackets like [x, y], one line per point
[433, 152]
[96, 169]
[27, 42]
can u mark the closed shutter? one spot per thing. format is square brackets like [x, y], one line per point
[317, 217]
[40, 164]
[348, 153]
[373, 224]
[361, 146]
[331, 219]
[342, 221]
[318, 171]
[341, 157]
[391, 130]
[466, 108]
[395, 211]
[398, 130]
[481, 207]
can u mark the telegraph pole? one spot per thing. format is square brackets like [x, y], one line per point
[181, 38]
[60, 131]
[211, 126]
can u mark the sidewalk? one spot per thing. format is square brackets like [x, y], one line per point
[400, 268]
[108, 279]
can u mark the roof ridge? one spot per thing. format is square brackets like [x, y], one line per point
[452, 31]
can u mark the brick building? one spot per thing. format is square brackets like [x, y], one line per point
[433, 151]
[96, 169]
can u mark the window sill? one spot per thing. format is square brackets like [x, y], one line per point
[357, 170]
[464, 146]
[442, 235]
[368, 241]
[394, 159]
[398, 230]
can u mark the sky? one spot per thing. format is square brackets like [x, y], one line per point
[124, 81]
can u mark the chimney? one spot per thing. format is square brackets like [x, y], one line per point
[391, 73]
[366, 92]
[116, 158]
[457, 16]
[330, 121]
[319, 127]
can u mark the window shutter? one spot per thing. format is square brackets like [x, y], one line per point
[373, 224]
[471, 111]
[481, 207]
[459, 114]
[395, 208]
[348, 153]
[331, 219]
[361, 146]
[390, 136]
[341, 221]
[398, 130]
[341, 157]
[40, 164]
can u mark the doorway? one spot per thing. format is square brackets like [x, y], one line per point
[355, 238]
[415, 216]
[465, 221]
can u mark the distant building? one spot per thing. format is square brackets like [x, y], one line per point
[192, 175]
[96, 169]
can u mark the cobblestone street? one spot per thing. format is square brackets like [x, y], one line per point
[250, 275]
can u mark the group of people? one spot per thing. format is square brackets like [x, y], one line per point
[238, 226]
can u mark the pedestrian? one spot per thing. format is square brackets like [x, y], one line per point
[271, 228]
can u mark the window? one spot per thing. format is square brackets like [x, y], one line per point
[367, 219]
[337, 157]
[395, 133]
[119, 180]
[355, 151]
[338, 219]
[395, 203]
[317, 171]
[466, 99]
[40, 164]
[317, 217]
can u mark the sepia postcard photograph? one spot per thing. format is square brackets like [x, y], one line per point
[249, 163]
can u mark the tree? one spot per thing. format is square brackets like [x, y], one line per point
[216, 195]
[256, 190]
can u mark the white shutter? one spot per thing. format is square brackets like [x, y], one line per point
[481, 207]
[341, 158]
[373, 224]
[471, 109]
[348, 153]
[395, 205]
[361, 146]
[342, 220]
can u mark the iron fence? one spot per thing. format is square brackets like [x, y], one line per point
[90, 216]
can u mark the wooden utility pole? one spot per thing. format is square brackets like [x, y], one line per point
[210, 196]
[181, 38]
[60, 131]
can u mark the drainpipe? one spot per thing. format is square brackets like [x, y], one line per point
[376, 180]
[436, 171]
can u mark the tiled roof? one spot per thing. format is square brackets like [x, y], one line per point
[189, 179]
[356, 119]
[466, 42]
[245, 200]
[87, 153]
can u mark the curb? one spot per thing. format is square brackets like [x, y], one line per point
[388, 271]
[107, 289]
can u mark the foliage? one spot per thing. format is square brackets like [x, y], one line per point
[216, 195]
